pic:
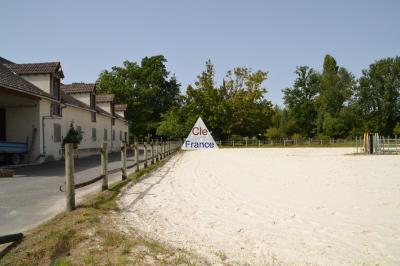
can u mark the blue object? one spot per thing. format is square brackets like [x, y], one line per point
[13, 147]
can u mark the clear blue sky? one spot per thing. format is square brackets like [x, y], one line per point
[275, 36]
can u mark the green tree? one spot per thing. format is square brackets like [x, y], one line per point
[336, 89]
[378, 96]
[274, 133]
[73, 136]
[237, 107]
[396, 130]
[300, 101]
[148, 89]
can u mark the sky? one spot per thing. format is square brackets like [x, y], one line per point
[275, 36]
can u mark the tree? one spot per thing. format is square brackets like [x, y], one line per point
[300, 100]
[396, 130]
[147, 88]
[249, 111]
[274, 133]
[73, 136]
[378, 96]
[336, 89]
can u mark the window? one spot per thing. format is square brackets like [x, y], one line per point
[57, 132]
[113, 134]
[105, 135]
[126, 137]
[113, 121]
[55, 88]
[94, 134]
[55, 109]
[120, 135]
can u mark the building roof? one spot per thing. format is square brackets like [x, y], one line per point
[10, 80]
[37, 68]
[68, 99]
[78, 87]
[5, 61]
[120, 107]
[105, 98]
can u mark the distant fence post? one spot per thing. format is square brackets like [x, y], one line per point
[123, 160]
[69, 176]
[156, 151]
[137, 156]
[104, 166]
[145, 154]
[152, 152]
[169, 147]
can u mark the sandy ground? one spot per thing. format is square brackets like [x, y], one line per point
[262, 206]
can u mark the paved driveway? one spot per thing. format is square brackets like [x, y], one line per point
[33, 196]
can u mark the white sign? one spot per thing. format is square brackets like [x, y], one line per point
[199, 138]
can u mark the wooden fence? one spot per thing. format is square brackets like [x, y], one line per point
[153, 152]
[284, 142]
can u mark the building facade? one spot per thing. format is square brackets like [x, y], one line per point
[37, 109]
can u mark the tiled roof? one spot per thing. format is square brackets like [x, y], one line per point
[68, 99]
[36, 68]
[78, 87]
[120, 107]
[10, 80]
[5, 61]
[104, 98]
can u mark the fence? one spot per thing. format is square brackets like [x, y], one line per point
[153, 152]
[286, 142]
[376, 144]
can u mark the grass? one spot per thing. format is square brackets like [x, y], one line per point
[90, 236]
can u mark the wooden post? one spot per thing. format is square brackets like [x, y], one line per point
[145, 154]
[246, 142]
[137, 156]
[356, 145]
[156, 151]
[104, 166]
[69, 176]
[169, 147]
[233, 143]
[152, 152]
[123, 160]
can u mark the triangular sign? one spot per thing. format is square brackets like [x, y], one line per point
[199, 138]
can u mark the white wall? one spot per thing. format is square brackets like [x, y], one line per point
[22, 117]
[42, 81]
[105, 106]
[81, 118]
[121, 113]
[83, 97]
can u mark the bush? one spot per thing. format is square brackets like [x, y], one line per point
[297, 136]
[274, 133]
[73, 136]
[396, 129]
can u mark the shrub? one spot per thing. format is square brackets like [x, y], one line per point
[297, 136]
[73, 136]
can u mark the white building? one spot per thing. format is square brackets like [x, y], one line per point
[36, 109]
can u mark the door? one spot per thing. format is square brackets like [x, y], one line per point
[2, 124]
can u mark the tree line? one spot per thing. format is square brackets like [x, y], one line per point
[332, 103]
